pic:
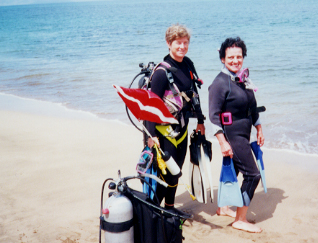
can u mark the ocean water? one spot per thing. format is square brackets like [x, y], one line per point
[72, 53]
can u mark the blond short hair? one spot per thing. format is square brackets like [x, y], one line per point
[177, 31]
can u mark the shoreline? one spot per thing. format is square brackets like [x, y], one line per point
[52, 169]
[11, 102]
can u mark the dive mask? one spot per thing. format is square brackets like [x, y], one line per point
[242, 75]
[144, 162]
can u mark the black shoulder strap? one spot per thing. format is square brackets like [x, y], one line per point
[166, 67]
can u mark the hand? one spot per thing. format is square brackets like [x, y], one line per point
[152, 141]
[200, 127]
[226, 148]
[260, 136]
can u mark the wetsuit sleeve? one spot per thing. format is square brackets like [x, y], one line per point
[258, 122]
[255, 115]
[159, 84]
[217, 96]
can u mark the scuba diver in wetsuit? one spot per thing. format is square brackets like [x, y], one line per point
[234, 97]
[184, 76]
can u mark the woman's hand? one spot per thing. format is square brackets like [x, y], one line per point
[260, 136]
[152, 141]
[226, 149]
[200, 127]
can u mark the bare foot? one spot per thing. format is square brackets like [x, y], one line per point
[226, 211]
[246, 226]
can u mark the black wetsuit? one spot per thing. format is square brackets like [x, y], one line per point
[159, 84]
[226, 95]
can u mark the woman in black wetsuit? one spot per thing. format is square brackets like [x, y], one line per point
[229, 94]
[184, 75]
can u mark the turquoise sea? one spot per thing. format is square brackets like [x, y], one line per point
[72, 53]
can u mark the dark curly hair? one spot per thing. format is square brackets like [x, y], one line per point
[232, 42]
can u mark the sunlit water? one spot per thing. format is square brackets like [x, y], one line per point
[72, 53]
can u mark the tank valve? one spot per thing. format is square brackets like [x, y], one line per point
[112, 186]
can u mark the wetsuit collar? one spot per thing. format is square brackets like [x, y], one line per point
[248, 82]
[228, 72]
[169, 58]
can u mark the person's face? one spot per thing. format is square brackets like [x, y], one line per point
[179, 48]
[233, 60]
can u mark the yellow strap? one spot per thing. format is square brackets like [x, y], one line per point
[161, 163]
[166, 129]
[167, 183]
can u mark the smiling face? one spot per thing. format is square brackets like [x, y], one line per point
[233, 60]
[178, 48]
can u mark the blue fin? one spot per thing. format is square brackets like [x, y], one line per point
[152, 182]
[259, 158]
[229, 193]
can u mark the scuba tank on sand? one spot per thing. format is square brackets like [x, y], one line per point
[131, 216]
[117, 215]
[118, 212]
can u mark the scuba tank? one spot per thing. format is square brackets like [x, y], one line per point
[117, 215]
[131, 216]
[118, 210]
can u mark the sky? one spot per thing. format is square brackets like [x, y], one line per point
[23, 2]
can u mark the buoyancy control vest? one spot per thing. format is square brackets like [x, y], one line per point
[173, 98]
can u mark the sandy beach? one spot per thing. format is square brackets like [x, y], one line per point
[52, 168]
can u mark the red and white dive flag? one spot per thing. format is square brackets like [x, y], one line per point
[145, 105]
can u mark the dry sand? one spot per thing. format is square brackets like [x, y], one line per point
[52, 169]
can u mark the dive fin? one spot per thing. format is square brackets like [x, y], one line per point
[150, 170]
[196, 183]
[202, 173]
[190, 177]
[152, 182]
[198, 165]
[259, 158]
[207, 149]
[229, 193]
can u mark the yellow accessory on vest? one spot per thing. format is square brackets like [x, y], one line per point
[165, 130]
[161, 163]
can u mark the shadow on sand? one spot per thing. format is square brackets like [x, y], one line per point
[262, 206]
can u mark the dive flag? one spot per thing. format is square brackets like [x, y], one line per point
[145, 105]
